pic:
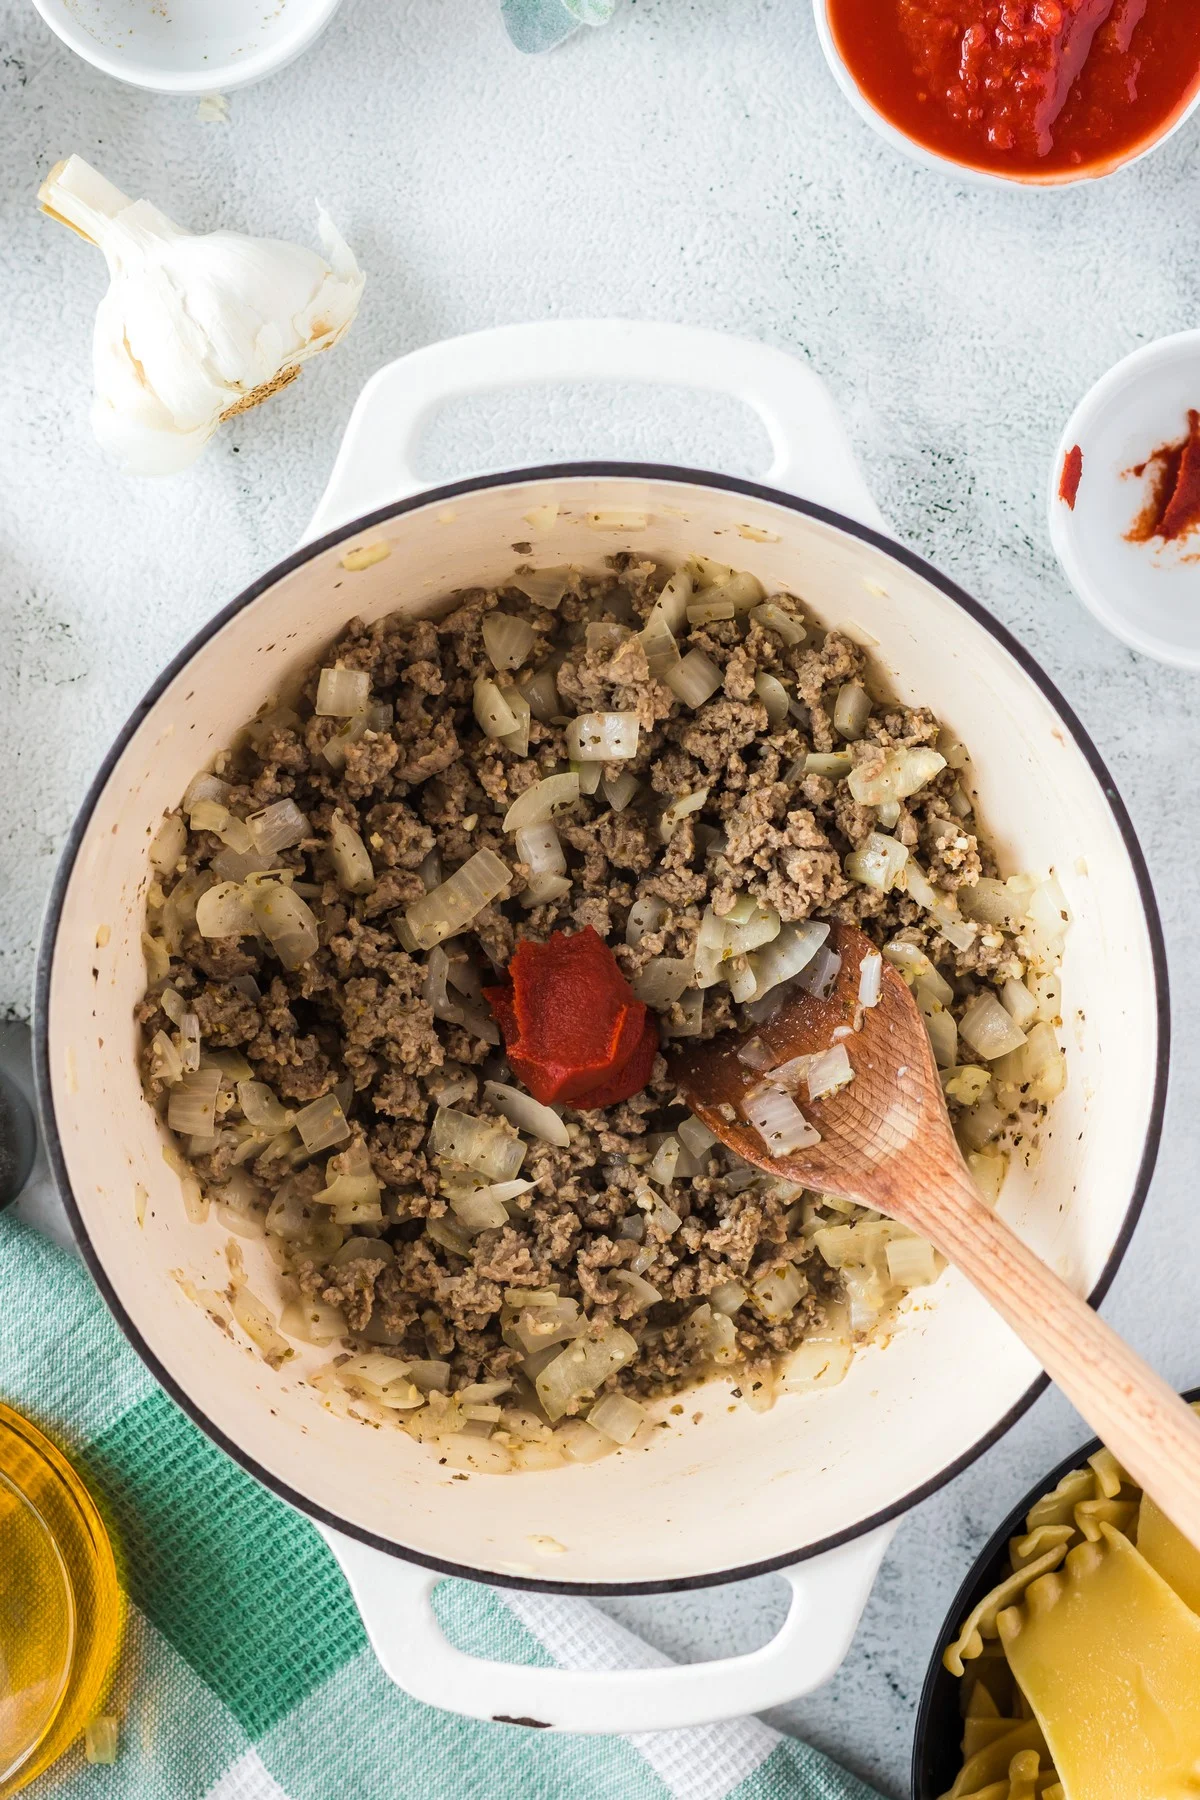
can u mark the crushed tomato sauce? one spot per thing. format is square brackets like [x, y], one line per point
[1070, 476]
[1172, 510]
[1023, 87]
[573, 1028]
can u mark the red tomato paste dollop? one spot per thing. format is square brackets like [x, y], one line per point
[573, 1028]
[1172, 510]
[1033, 87]
[1070, 476]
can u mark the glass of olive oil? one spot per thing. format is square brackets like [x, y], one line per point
[61, 1607]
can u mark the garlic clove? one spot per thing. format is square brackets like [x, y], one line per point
[195, 328]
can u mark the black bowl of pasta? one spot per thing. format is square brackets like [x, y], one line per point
[956, 1734]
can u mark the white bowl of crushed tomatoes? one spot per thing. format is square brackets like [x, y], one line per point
[1041, 93]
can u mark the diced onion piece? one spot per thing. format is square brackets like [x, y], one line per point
[603, 737]
[224, 911]
[956, 930]
[987, 1028]
[691, 1015]
[539, 803]
[384, 1379]
[541, 889]
[618, 1417]
[479, 1210]
[851, 710]
[664, 979]
[711, 1334]
[101, 1739]
[541, 693]
[545, 587]
[507, 640]
[710, 949]
[832, 764]
[706, 612]
[943, 1036]
[785, 625]
[1038, 1069]
[589, 776]
[658, 643]
[192, 1106]
[582, 1368]
[322, 1124]
[1019, 1004]
[481, 1144]
[495, 716]
[349, 856]
[312, 1322]
[878, 863]
[451, 905]
[517, 741]
[620, 790]
[828, 1071]
[527, 1114]
[179, 908]
[774, 697]
[342, 692]
[819, 976]
[824, 1357]
[261, 1109]
[166, 1064]
[778, 1293]
[900, 774]
[168, 844]
[988, 1169]
[728, 1297]
[718, 582]
[643, 1292]
[661, 1167]
[759, 926]
[672, 602]
[790, 952]
[645, 916]
[352, 731]
[449, 1235]
[258, 1322]
[680, 809]
[287, 921]
[911, 1262]
[436, 990]
[205, 786]
[980, 1123]
[967, 1084]
[695, 1136]
[539, 847]
[990, 902]
[694, 679]
[778, 1121]
[278, 827]
[870, 979]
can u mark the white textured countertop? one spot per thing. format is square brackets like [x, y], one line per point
[692, 161]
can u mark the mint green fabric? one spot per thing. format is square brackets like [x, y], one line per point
[245, 1673]
[537, 25]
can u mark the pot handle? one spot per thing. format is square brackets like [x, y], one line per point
[395, 1600]
[811, 454]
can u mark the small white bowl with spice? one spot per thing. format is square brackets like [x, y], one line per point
[1125, 500]
[191, 46]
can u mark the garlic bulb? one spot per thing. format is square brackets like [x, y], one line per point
[194, 328]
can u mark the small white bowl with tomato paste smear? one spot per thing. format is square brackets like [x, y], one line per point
[1074, 91]
[1125, 500]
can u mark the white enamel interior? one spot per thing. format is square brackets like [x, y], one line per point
[734, 1487]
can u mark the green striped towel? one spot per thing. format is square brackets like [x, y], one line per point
[246, 1674]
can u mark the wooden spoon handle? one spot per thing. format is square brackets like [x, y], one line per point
[1152, 1432]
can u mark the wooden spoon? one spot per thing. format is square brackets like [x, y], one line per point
[886, 1142]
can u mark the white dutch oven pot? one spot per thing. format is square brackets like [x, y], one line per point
[812, 1488]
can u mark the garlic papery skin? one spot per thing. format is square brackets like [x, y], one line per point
[194, 327]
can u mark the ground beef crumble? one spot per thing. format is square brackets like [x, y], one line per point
[425, 789]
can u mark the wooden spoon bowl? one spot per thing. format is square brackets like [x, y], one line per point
[886, 1142]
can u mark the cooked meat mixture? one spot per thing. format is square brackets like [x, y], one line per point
[316, 1033]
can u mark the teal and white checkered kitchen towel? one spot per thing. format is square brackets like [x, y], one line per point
[245, 1673]
[536, 25]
